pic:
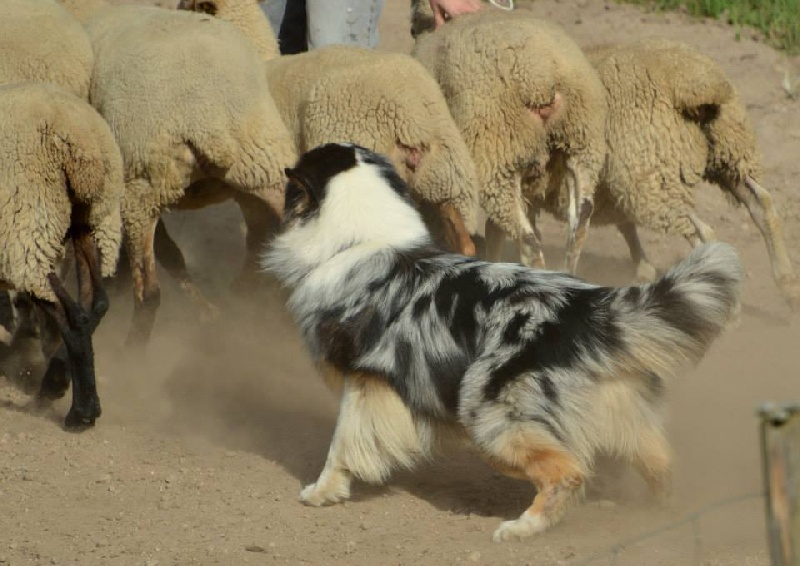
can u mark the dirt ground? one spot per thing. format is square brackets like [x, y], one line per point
[203, 446]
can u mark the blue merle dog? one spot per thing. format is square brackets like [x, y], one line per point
[539, 370]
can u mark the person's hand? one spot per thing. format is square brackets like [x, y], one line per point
[443, 9]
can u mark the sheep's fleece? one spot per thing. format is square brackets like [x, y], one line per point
[384, 101]
[501, 73]
[56, 154]
[40, 41]
[203, 104]
[660, 142]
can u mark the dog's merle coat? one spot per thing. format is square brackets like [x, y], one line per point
[509, 352]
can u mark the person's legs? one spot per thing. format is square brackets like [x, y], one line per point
[294, 28]
[352, 22]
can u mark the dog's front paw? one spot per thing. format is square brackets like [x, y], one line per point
[525, 526]
[324, 493]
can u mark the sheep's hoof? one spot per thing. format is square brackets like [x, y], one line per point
[81, 419]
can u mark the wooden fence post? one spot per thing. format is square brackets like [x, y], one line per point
[780, 452]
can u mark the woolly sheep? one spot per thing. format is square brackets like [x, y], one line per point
[186, 98]
[32, 345]
[532, 111]
[40, 41]
[61, 178]
[675, 120]
[384, 101]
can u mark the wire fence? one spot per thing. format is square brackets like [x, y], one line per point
[780, 456]
[614, 551]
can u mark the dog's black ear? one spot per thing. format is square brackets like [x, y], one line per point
[299, 181]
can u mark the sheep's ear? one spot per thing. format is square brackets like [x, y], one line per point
[206, 7]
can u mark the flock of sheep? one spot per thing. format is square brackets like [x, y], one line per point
[116, 114]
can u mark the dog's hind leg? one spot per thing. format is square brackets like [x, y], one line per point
[375, 432]
[557, 475]
[653, 460]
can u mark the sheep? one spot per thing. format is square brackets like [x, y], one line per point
[31, 346]
[675, 119]
[699, 131]
[532, 111]
[187, 100]
[40, 41]
[61, 178]
[384, 101]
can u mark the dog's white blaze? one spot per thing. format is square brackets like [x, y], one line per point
[361, 212]
[361, 206]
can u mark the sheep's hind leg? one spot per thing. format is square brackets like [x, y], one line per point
[759, 204]
[24, 353]
[261, 222]
[171, 258]
[495, 241]
[94, 302]
[530, 248]
[92, 293]
[75, 326]
[146, 290]
[56, 379]
[645, 272]
[702, 234]
[456, 231]
[581, 206]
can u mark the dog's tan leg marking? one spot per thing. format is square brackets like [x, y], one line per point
[507, 470]
[654, 461]
[557, 476]
[375, 432]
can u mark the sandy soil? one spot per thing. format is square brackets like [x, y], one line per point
[203, 446]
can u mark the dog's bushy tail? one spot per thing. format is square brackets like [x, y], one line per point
[669, 325]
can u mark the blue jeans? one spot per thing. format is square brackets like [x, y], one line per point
[329, 22]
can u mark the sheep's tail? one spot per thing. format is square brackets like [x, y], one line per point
[94, 169]
[667, 326]
[696, 81]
